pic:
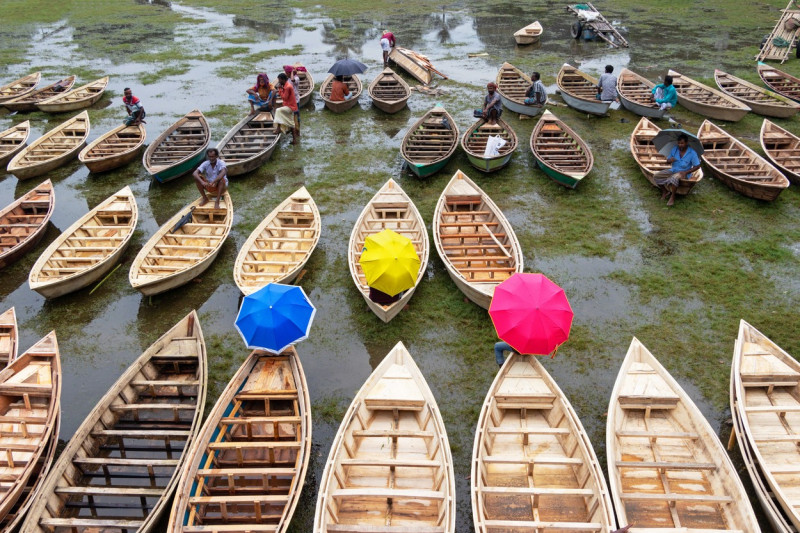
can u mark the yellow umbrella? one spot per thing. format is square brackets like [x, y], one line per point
[390, 262]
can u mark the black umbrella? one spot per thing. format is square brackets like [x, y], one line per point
[185, 219]
[347, 67]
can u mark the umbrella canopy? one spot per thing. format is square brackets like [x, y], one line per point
[347, 67]
[390, 262]
[531, 313]
[275, 317]
[666, 140]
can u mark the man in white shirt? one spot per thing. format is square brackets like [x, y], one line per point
[211, 176]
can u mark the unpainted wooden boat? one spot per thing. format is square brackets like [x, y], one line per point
[760, 100]
[8, 337]
[474, 144]
[416, 64]
[120, 468]
[114, 149]
[707, 101]
[390, 208]
[178, 150]
[24, 221]
[430, 142]
[249, 144]
[175, 256]
[389, 92]
[246, 467]
[474, 240]
[738, 166]
[278, 249]
[636, 94]
[651, 161]
[22, 86]
[390, 466]
[12, 141]
[353, 84]
[84, 96]
[578, 89]
[512, 84]
[560, 152]
[782, 148]
[780, 82]
[88, 249]
[529, 34]
[667, 469]
[28, 101]
[52, 149]
[533, 465]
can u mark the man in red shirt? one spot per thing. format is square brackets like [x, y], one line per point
[288, 116]
[387, 43]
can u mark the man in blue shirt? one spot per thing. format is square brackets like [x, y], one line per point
[684, 162]
[665, 95]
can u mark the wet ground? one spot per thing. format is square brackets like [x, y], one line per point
[679, 279]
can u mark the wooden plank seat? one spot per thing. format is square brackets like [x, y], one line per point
[252, 445]
[227, 499]
[538, 460]
[371, 528]
[91, 523]
[119, 492]
[262, 471]
[237, 528]
[666, 465]
[393, 433]
[672, 497]
[123, 461]
[538, 491]
[393, 463]
[528, 430]
[137, 434]
[385, 494]
[540, 526]
[656, 435]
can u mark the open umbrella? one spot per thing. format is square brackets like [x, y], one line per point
[274, 317]
[666, 140]
[531, 313]
[390, 262]
[347, 67]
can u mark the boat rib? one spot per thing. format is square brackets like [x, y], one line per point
[707, 101]
[780, 82]
[88, 249]
[247, 466]
[278, 249]
[651, 161]
[28, 101]
[390, 467]
[52, 149]
[12, 141]
[120, 468]
[79, 98]
[249, 144]
[21, 87]
[474, 144]
[512, 84]
[560, 152]
[24, 221]
[578, 89]
[179, 149]
[636, 94]
[390, 208]
[8, 337]
[782, 147]
[430, 142]
[529, 34]
[760, 100]
[354, 86]
[389, 92]
[667, 469]
[118, 147]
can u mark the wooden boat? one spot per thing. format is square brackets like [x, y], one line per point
[760, 100]
[88, 249]
[249, 144]
[474, 144]
[416, 64]
[782, 148]
[667, 469]
[533, 466]
[28, 101]
[353, 84]
[512, 84]
[305, 89]
[389, 92]
[173, 257]
[24, 221]
[651, 161]
[780, 82]
[246, 468]
[178, 150]
[390, 467]
[84, 96]
[114, 149]
[707, 101]
[738, 166]
[636, 94]
[12, 141]
[278, 249]
[120, 468]
[529, 34]
[21, 87]
[579, 89]
[474, 239]
[8, 337]
[560, 152]
[390, 208]
[52, 149]
[430, 142]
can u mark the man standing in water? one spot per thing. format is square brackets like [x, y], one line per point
[387, 43]
[211, 176]
[134, 108]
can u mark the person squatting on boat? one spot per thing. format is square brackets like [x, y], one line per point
[387, 43]
[212, 177]
[607, 86]
[262, 95]
[134, 108]
[665, 95]
[536, 95]
[287, 117]
[492, 105]
[684, 161]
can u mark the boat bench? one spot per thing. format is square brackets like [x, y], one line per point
[369, 528]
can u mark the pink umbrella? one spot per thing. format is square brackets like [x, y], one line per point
[531, 313]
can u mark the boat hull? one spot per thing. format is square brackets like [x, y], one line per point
[423, 171]
[562, 179]
[250, 165]
[489, 164]
[70, 106]
[710, 111]
[180, 169]
[522, 109]
[526, 39]
[641, 110]
[25, 173]
[114, 162]
[341, 107]
[595, 108]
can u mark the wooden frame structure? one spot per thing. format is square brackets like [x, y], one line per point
[512, 84]
[353, 85]
[28, 100]
[651, 161]
[578, 89]
[771, 52]
[474, 144]
[430, 142]
[24, 221]
[782, 148]
[636, 94]
[21, 87]
[84, 96]
[389, 92]
[600, 26]
[560, 152]
[12, 141]
[249, 144]
[179, 149]
[118, 147]
[707, 101]
[52, 149]
[760, 100]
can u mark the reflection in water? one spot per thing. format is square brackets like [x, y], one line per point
[274, 26]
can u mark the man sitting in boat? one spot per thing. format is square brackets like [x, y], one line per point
[607, 86]
[211, 176]
[261, 95]
[536, 95]
[665, 95]
[492, 105]
[381, 298]
[684, 161]
[134, 108]
[339, 90]
[387, 43]
[499, 349]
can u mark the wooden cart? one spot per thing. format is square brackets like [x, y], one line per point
[769, 50]
[592, 24]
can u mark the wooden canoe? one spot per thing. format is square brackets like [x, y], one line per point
[474, 239]
[738, 166]
[304, 88]
[23, 222]
[172, 258]
[390, 208]
[278, 249]
[118, 147]
[389, 92]
[28, 101]
[780, 82]
[578, 89]
[88, 249]
[249, 144]
[178, 150]
[782, 147]
[12, 141]
[667, 468]
[21, 87]
[560, 152]
[84, 96]
[416, 64]
[246, 468]
[353, 84]
[430, 142]
[707, 101]
[529, 34]
[390, 466]
[8, 337]
[52, 149]
[512, 84]
[474, 144]
[533, 465]
[636, 94]
[651, 161]
[120, 468]
[760, 100]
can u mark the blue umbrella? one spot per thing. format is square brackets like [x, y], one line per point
[347, 67]
[275, 317]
